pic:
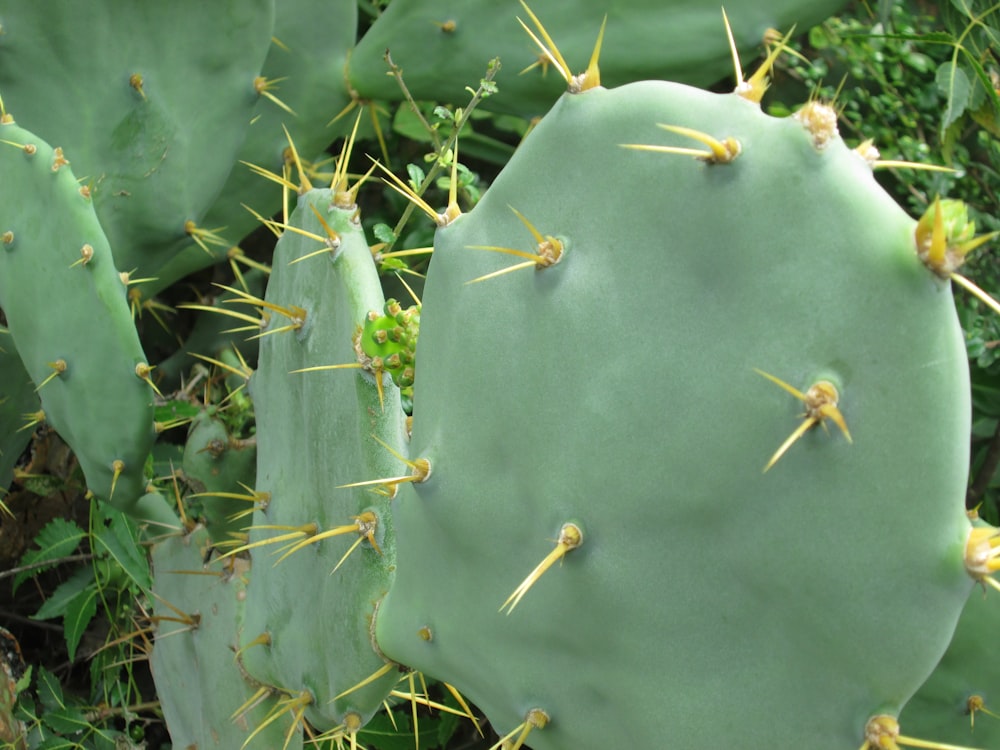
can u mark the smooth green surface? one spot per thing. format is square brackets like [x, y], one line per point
[60, 309]
[154, 159]
[683, 40]
[317, 431]
[711, 604]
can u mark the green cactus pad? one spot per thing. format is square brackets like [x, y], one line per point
[444, 46]
[306, 63]
[317, 431]
[199, 682]
[216, 462]
[67, 310]
[604, 415]
[152, 101]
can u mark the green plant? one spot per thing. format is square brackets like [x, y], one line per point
[605, 519]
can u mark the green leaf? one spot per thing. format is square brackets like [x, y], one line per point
[383, 233]
[953, 82]
[58, 539]
[79, 612]
[68, 720]
[58, 603]
[49, 690]
[119, 538]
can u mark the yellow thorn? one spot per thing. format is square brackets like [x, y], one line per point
[58, 368]
[548, 48]
[143, 371]
[378, 673]
[570, 537]
[408, 192]
[264, 86]
[821, 404]
[304, 184]
[86, 255]
[364, 525]
[117, 466]
[737, 68]
[720, 152]
[754, 88]
[536, 718]
[34, 418]
[976, 292]
[982, 553]
[205, 237]
[269, 175]
[882, 732]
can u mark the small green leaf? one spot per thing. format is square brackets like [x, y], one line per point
[119, 538]
[953, 82]
[58, 603]
[50, 691]
[79, 612]
[383, 233]
[417, 175]
[58, 539]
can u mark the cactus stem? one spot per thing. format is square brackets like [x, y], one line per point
[719, 152]
[264, 86]
[882, 733]
[377, 674]
[536, 718]
[821, 404]
[58, 368]
[570, 537]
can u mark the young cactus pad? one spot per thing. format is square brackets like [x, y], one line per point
[599, 435]
[318, 430]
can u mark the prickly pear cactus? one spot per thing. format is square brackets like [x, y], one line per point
[207, 700]
[68, 314]
[442, 45]
[323, 423]
[633, 536]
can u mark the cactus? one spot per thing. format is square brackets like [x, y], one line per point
[705, 596]
[321, 290]
[692, 385]
[156, 147]
[197, 610]
[679, 41]
[67, 312]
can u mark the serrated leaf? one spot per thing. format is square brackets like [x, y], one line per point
[58, 602]
[120, 540]
[79, 612]
[69, 720]
[384, 233]
[49, 690]
[953, 82]
[58, 539]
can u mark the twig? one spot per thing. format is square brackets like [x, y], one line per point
[83, 556]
